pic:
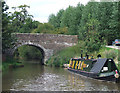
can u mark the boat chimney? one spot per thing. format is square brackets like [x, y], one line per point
[87, 55]
[81, 54]
[99, 56]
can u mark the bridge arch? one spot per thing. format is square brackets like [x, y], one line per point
[41, 48]
[49, 44]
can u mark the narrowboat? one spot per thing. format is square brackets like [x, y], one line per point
[101, 68]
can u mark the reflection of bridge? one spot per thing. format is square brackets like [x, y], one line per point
[48, 44]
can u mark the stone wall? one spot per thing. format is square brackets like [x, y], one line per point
[49, 43]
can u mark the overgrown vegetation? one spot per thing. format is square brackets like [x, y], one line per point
[63, 57]
[10, 62]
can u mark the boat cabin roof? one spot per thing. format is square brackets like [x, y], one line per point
[100, 63]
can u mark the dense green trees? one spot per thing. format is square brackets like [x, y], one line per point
[43, 28]
[95, 23]
[7, 39]
[56, 20]
[21, 20]
[17, 22]
[50, 29]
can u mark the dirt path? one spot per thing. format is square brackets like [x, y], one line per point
[115, 47]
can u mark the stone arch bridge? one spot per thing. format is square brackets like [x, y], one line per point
[48, 44]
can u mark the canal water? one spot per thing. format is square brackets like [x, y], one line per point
[36, 77]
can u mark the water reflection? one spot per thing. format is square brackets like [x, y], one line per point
[35, 77]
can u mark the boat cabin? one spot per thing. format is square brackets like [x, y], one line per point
[101, 65]
[101, 68]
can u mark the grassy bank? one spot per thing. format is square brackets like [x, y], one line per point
[63, 56]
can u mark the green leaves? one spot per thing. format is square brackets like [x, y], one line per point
[95, 22]
[21, 20]
[56, 20]
[17, 22]
[69, 18]
[28, 52]
[6, 30]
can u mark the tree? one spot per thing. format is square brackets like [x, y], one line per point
[0, 25]
[56, 20]
[114, 25]
[70, 19]
[52, 20]
[21, 20]
[7, 39]
[43, 28]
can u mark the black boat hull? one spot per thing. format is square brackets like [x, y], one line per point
[95, 76]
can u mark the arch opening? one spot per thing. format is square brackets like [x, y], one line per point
[40, 48]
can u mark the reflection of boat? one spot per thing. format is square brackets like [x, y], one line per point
[101, 68]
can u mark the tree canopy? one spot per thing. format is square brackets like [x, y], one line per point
[95, 23]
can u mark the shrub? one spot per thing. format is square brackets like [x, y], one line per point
[110, 54]
[118, 55]
[92, 45]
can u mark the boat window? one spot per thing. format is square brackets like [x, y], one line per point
[105, 69]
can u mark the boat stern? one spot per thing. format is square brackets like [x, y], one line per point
[117, 76]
